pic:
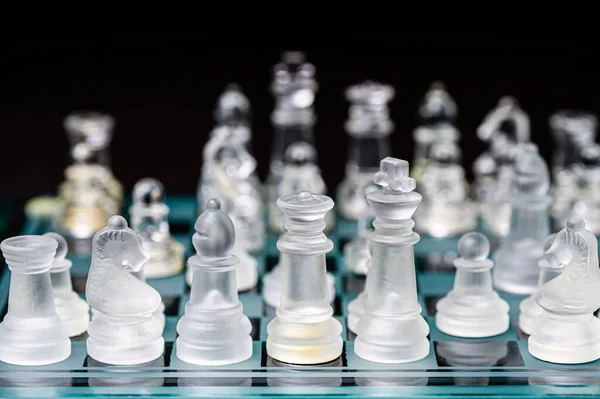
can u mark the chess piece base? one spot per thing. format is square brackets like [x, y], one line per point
[570, 340]
[214, 355]
[73, 311]
[124, 342]
[165, 263]
[402, 339]
[272, 286]
[33, 342]
[478, 321]
[296, 343]
[528, 311]
[356, 309]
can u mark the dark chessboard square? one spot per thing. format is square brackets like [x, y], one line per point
[436, 262]
[430, 304]
[331, 263]
[255, 329]
[271, 262]
[171, 305]
[480, 354]
[179, 227]
[337, 306]
[353, 284]
[78, 283]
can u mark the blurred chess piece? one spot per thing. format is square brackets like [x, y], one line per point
[572, 130]
[357, 252]
[446, 209]
[369, 127]
[437, 115]
[149, 219]
[90, 193]
[505, 129]
[294, 88]
[233, 107]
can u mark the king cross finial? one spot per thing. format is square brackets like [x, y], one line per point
[393, 176]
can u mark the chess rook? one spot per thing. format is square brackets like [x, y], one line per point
[392, 329]
[304, 331]
[32, 333]
[214, 329]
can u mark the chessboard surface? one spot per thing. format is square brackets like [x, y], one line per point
[497, 366]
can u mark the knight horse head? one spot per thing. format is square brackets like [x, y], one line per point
[573, 246]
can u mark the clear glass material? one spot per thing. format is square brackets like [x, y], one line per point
[472, 309]
[214, 329]
[572, 130]
[31, 333]
[567, 331]
[357, 252]
[123, 330]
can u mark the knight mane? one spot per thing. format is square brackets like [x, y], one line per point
[104, 238]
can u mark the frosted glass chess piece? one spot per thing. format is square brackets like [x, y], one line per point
[294, 87]
[149, 219]
[214, 329]
[472, 309]
[32, 333]
[357, 252]
[70, 307]
[517, 257]
[446, 209]
[124, 329]
[304, 330]
[356, 307]
[437, 114]
[572, 131]
[567, 332]
[528, 308]
[233, 107]
[392, 303]
[369, 127]
[160, 312]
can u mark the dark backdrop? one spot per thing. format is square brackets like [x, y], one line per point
[161, 86]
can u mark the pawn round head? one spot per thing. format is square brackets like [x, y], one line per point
[474, 246]
[576, 224]
[300, 153]
[62, 249]
[148, 192]
[215, 232]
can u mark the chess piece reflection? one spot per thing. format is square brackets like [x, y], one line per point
[292, 376]
[149, 219]
[126, 376]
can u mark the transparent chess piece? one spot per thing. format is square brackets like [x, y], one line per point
[472, 309]
[572, 131]
[228, 173]
[233, 107]
[214, 329]
[437, 114]
[369, 127]
[149, 219]
[517, 257]
[528, 308]
[300, 173]
[32, 333]
[160, 312]
[304, 330]
[70, 307]
[567, 332]
[392, 301]
[446, 209]
[505, 128]
[124, 329]
[294, 87]
[358, 251]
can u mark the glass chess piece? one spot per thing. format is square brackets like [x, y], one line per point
[446, 209]
[528, 308]
[160, 312]
[567, 332]
[214, 330]
[392, 301]
[304, 330]
[437, 115]
[32, 333]
[517, 257]
[294, 88]
[233, 107]
[70, 307]
[357, 252]
[228, 174]
[138, 376]
[572, 130]
[369, 127]
[472, 309]
[149, 219]
[124, 329]
[506, 128]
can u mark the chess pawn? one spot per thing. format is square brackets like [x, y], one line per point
[149, 219]
[304, 330]
[32, 333]
[472, 309]
[516, 259]
[357, 252]
[528, 308]
[369, 127]
[70, 307]
[392, 329]
[214, 329]
[124, 329]
[233, 107]
[567, 332]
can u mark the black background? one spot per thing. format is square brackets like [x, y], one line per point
[161, 86]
